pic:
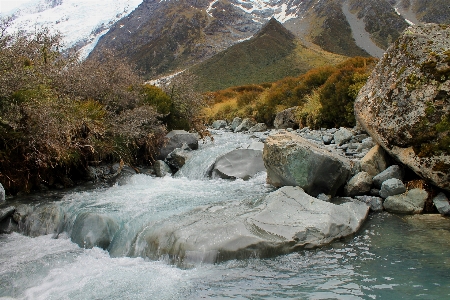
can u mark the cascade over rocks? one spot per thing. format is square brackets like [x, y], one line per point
[176, 139]
[405, 104]
[287, 220]
[93, 230]
[294, 161]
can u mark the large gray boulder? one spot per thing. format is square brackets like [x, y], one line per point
[286, 119]
[375, 203]
[245, 125]
[40, 220]
[411, 202]
[442, 204]
[259, 127]
[176, 139]
[235, 123]
[405, 104]
[286, 220]
[178, 157]
[93, 230]
[239, 163]
[392, 172]
[392, 187]
[294, 161]
[359, 184]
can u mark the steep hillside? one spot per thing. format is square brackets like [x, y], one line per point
[273, 53]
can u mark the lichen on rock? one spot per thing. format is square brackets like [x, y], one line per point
[405, 105]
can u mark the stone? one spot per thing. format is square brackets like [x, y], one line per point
[375, 203]
[239, 163]
[246, 124]
[256, 146]
[93, 230]
[342, 136]
[374, 192]
[178, 157]
[393, 171]
[286, 119]
[327, 138]
[366, 144]
[2, 193]
[392, 187]
[405, 104]
[176, 139]
[219, 124]
[40, 220]
[359, 184]
[291, 160]
[236, 122]
[6, 212]
[324, 197]
[411, 202]
[161, 168]
[259, 127]
[442, 204]
[285, 221]
[375, 161]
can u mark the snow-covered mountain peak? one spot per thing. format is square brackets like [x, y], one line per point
[81, 22]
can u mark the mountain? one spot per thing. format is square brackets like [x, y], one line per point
[81, 22]
[163, 37]
[271, 54]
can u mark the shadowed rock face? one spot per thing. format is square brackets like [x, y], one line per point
[291, 160]
[405, 105]
[286, 220]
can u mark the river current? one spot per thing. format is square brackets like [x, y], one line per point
[391, 257]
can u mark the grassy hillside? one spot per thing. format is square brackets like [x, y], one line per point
[273, 53]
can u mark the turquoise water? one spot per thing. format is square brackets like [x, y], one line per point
[391, 257]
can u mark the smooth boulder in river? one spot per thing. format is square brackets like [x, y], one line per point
[294, 161]
[285, 221]
[239, 163]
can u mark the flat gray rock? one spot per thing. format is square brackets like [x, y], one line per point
[411, 202]
[286, 220]
[392, 172]
[359, 184]
[392, 187]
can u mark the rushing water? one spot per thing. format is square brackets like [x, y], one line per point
[392, 257]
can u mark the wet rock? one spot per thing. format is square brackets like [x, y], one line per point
[392, 187]
[260, 127]
[286, 119]
[42, 220]
[2, 193]
[286, 220]
[239, 163]
[176, 139]
[219, 124]
[442, 204]
[178, 157]
[291, 160]
[161, 168]
[246, 124]
[342, 136]
[236, 122]
[392, 172]
[411, 202]
[405, 103]
[93, 230]
[375, 161]
[375, 203]
[359, 184]
[6, 212]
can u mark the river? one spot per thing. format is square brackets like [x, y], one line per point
[391, 257]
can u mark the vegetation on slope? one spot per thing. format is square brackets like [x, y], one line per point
[272, 54]
[58, 115]
[324, 96]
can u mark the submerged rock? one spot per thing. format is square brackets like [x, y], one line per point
[294, 161]
[405, 104]
[161, 168]
[239, 163]
[287, 220]
[93, 230]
